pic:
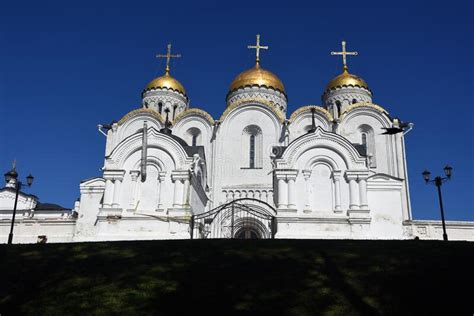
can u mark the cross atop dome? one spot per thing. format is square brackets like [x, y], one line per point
[344, 53]
[257, 48]
[168, 57]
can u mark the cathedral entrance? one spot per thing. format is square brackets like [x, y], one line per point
[239, 219]
[247, 233]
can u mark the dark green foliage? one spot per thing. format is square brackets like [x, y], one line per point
[292, 277]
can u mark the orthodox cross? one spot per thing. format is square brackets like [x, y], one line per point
[168, 57]
[257, 47]
[344, 53]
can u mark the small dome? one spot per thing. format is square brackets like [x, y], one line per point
[346, 79]
[257, 76]
[166, 81]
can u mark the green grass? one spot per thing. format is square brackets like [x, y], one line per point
[291, 277]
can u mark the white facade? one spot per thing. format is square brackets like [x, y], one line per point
[340, 178]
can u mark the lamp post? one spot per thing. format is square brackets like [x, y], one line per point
[438, 181]
[9, 176]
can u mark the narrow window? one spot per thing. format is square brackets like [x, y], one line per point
[174, 110]
[160, 107]
[194, 141]
[338, 106]
[354, 101]
[364, 140]
[252, 151]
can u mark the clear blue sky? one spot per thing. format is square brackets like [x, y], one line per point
[66, 66]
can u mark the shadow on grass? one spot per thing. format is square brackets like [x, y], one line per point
[293, 277]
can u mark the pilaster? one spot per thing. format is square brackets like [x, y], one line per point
[286, 190]
[113, 181]
[336, 177]
[308, 207]
[358, 206]
[181, 192]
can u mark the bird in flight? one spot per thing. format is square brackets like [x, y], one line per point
[398, 127]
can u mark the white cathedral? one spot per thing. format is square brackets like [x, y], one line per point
[334, 171]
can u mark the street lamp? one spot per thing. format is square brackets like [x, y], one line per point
[438, 181]
[13, 175]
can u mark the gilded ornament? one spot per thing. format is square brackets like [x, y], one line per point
[308, 108]
[196, 111]
[167, 81]
[133, 113]
[346, 79]
[257, 76]
[260, 101]
[364, 104]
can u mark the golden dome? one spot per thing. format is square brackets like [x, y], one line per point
[257, 76]
[166, 81]
[346, 79]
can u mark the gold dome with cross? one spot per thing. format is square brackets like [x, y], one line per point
[257, 76]
[166, 81]
[346, 79]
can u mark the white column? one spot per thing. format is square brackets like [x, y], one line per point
[161, 183]
[336, 176]
[134, 176]
[109, 188]
[282, 193]
[308, 195]
[353, 194]
[291, 193]
[178, 192]
[363, 194]
[117, 191]
[270, 197]
[186, 192]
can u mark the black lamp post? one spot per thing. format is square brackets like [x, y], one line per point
[438, 181]
[13, 175]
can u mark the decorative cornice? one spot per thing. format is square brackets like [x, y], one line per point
[233, 105]
[357, 174]
[114, 174]
[133, 113]
[364, 104]
[180, 175]
[196, 111]
[286, 174]
[308, 108]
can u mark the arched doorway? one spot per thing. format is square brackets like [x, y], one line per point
[245, 218]
[247, 233]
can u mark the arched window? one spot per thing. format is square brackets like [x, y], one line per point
[338, 106]
[174, 110]
[252, 152]
[367, 138]
[252, 144]
[354, 101]
[160, 107]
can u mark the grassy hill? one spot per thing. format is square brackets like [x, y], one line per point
[291, 277]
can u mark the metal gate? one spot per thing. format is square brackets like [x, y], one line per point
[244, 218]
